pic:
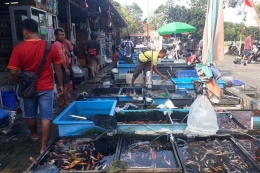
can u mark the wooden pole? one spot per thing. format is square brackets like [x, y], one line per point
[256, 16]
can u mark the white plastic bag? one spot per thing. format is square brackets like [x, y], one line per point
[202, 119]
[76, 69]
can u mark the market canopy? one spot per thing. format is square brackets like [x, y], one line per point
[175, 28]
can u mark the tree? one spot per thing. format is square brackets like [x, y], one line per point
[132, 14]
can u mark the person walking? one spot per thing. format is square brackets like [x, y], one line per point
[69, 50]
[93, 49]
[27, 56]
[248, 46]
[144, 64]
[60, 36]
[127, 45]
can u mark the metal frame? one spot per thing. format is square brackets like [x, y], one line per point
[28, 10]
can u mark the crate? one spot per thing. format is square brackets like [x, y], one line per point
[187, 74]
[120, 78]
[139, 92]
[150, 115]
[187, 83]
[68, 126]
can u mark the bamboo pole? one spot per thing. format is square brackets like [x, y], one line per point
[256, 16]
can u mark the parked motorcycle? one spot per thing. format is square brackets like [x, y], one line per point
[232, 50]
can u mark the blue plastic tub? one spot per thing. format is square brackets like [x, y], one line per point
[124, 94]
[186, 83]
[3, 116]
[124, 68]
[236, 82]
[68, 126]
[9, 99]
[187, 74]
[151, 115]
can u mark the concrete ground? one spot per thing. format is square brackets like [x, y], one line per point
[16, 148]
[15, 152]
[248, 74]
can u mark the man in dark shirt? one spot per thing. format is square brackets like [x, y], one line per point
[93, 49]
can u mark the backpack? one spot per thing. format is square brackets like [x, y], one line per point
[92, 52]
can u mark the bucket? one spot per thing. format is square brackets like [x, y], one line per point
[9, 99]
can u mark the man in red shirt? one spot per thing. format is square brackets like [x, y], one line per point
[27, 56]
[247, 48]
[64, 98]
[193, 59]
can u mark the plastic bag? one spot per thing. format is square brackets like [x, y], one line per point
[202, 119]
[46, 169]
[216, 73]
[76, 69]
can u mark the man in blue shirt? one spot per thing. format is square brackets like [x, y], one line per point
[127, 45]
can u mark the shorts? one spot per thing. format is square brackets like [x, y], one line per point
[95, 59]
[43, 99]
[141, 66]
[65, 77]
[247, 52]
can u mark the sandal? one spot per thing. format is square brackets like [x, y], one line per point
[34, 139]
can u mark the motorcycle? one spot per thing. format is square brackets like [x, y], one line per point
[232, 50]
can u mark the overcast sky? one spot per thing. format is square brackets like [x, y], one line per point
[230, 14]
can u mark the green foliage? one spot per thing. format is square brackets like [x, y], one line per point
[232, 31]
[132, 14]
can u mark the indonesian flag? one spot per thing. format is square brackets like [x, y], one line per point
[85, 4]
[248, 3]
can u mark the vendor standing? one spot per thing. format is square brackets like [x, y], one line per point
[144, 64]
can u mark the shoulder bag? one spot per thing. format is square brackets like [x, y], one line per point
[27, 79]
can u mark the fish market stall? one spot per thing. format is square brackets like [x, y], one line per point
[251, 145]
[103, 94]
[150, 122]
[79, 154]
[149, 154]
[130, 94]
[214, 154]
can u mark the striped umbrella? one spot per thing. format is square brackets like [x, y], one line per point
[213, 36]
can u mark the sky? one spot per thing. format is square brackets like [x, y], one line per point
[230, 14]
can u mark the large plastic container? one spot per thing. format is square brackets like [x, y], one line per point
[3, 116]
[9, 99]
[187, 83]
[124, 68]
[187, 74]
[69, 126]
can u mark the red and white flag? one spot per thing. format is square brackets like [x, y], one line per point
[248, 3]
[85, 4]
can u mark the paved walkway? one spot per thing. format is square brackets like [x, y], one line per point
[15, 153]
[248, 74]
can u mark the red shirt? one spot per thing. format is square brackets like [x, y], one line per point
[61, 49]
[192, 59]
[67, 44]
[27, 56]
[248, 41]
